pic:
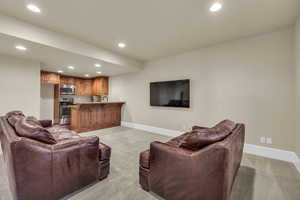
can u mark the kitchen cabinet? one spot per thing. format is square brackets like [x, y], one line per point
[67, 80]
[83, 86]
[90, 86]
[100, 86]
[50, 77]
[87, 85]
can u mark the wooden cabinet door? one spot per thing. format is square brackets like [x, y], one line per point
[50, 77]
[104, 89]
[95, 86]
[87, 85]
[79, 86]
[100, 86]
[67, 80]
[83, 86]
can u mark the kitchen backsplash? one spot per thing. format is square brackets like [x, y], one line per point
[79, 99]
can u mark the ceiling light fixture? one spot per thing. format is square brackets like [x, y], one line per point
[60, 71]
[215, 7]
[99, 72]
[71, 67]
[97, 65]
[121, 45]
[86, 75]
[21, 48]
[33, 8]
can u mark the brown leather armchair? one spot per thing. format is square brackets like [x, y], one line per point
[40, 171]
[176, 173]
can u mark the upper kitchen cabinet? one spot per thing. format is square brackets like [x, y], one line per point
[50, 77]
[83, 86]
[87, 85]
[100, 86]
[67, 80]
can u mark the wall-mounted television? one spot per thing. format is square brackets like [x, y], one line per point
[170, 93]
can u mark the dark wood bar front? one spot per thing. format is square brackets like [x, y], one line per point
[94, 116]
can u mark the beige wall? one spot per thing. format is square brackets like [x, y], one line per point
[297, 73]
[47, 101]
[19, 85]
[248, 80]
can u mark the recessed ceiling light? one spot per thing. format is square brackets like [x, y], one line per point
[71, 67]
[86, 75]
[97, 65]
[99, 72]
[20, 47]
[121, 45]
[33, 8]
[215, 7]
[60, 71]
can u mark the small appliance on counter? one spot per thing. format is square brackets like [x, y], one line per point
[96, 98]
[104, 98]
[65, 110]
[99, 99]
[67, 90]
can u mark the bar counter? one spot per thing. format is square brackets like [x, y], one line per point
[95, 115]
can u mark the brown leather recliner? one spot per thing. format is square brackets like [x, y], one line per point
[177, 173]
[40, 171]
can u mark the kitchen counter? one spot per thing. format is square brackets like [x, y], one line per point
[85, 103]
[90, 116]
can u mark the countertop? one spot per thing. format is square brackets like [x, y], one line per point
[93, 103]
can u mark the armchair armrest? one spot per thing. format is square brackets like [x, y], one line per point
[46, 123]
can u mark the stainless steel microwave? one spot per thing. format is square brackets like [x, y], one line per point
[67, 90]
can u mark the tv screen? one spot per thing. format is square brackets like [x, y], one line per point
[170, 93]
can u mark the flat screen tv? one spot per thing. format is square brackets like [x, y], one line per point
[170, 93]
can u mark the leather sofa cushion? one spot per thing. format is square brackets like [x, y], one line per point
[226, 125]
[46, 123]
[198, 127]
[104, 152]
[61, 133]
[144, 159]
[177, 141]
[200, 138]
[30, 127]
[13, 117]
[145, 155]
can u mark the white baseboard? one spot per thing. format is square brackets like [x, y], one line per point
[268, 152]
[276, 154]
[152, 129]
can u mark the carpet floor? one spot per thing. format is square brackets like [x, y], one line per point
[258, 178]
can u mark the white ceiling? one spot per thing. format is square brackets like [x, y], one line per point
[156, 28]
[53, 59]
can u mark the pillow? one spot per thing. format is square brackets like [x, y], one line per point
[226, 124]
[200, 138]
[61, 133]
[30, 127]
[14, 116]
[32, 120]
[198, 127]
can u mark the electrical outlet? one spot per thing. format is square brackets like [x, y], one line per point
[269, 140]
[263, 140]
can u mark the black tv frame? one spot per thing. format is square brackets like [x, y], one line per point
[173, 106]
